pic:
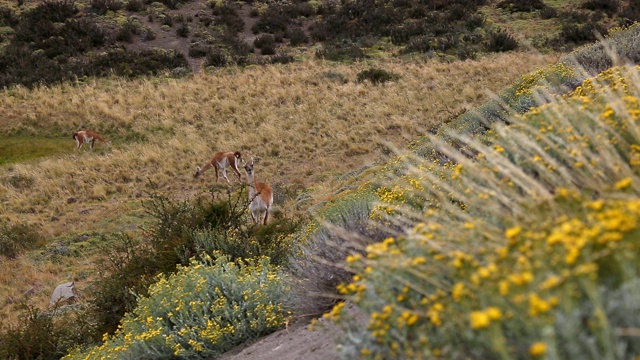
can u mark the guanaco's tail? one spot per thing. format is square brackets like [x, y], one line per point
[75, 135]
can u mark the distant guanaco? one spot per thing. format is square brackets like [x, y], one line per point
[260, 196]
[88, 136]
[221, 161]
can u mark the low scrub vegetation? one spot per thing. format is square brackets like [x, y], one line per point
[70, 41]
[201, 310]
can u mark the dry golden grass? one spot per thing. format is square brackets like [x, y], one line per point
[304, 127]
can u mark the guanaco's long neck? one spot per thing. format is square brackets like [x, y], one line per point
[252, 188]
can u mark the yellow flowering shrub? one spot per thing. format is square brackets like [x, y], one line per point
[200, 311]
[523, 245]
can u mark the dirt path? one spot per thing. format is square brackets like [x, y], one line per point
[295, 343]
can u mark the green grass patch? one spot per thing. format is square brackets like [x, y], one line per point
[22, 148]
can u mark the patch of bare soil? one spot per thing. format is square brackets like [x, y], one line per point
[294, 343]
[297, 342]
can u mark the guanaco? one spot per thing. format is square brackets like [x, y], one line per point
[88, 136]
[221, 161]
[260, 196]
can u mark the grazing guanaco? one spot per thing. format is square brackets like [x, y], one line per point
[260, 196]
[88, 136]
[221, 161]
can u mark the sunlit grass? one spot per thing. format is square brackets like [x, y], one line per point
[26, 148]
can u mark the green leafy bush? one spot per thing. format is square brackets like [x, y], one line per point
[202, 310]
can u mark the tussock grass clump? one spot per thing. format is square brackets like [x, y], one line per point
[526, 246]
[201, 310]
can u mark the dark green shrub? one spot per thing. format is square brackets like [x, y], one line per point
[340, 52]
[16, 238]
[134, 63]
[228, 16]
[217, 58]
[376, 76]
[303, 9]
[215, 222]
[171, 4]
[43, 335]
[579, 27]
[548, 13]
[458, 12]
[272, 20]
[134, 5]
[297, 37]
[500, 41]
[198, 50]
[167, 20]
[8, 17]
[609, 7]
[100, 7]
[408, 32]
[127, 31]
[148, 34]
[521, 5]
[183, 30]
[130, 270]
[580, 33]
[266, 43]
[420, 44]
[475, 21]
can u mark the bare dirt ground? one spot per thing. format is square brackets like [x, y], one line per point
[293, 343]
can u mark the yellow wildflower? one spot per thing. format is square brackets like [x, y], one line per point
[623, 184]
[479, 319]
[538, 349]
